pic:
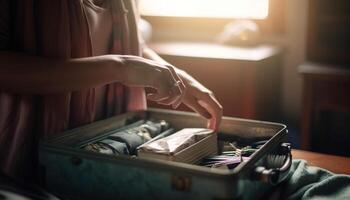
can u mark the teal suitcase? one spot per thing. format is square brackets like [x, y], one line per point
[72, 173]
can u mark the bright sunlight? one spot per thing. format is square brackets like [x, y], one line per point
[247, 9]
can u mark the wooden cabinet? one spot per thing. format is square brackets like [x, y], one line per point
[329, 31]
[246, 81]
[326, 91]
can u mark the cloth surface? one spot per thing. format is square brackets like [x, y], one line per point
[132, 140]
[309, 182]
[118, 147]
[59, 29]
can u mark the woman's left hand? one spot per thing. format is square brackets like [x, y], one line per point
[201, 100]
[194, 95]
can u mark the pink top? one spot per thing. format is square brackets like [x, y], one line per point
[62, 29]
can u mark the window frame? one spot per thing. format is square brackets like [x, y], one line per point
[272, 25]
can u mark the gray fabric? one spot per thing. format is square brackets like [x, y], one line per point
[132, 140]
[118, 147]
[153, 128]
[308, 182]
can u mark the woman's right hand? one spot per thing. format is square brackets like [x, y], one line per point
[148, 73]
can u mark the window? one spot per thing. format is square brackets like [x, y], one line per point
[248, 9]
[204, 19]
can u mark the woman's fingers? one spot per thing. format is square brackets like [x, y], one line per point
[214, 121]
[209, 102]
[159, 76]
[178, 101]
[194, 105]
[162, 99]
[172, 92]
[168, 101]
[166, 67]
[166, 96]
[157, 97]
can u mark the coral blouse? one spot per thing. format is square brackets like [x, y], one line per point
[62, 29]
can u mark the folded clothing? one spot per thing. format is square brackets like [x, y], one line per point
[155, 128]
[119, 148]
[109, 147]
[131, 139]
[126, 141]
[136, 136]
[178, 141]
[99, 148]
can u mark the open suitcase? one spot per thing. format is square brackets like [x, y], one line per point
[72, 173]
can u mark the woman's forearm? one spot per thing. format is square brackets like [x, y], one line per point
[20, 73]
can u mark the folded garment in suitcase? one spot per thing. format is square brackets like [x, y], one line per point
[108, 146]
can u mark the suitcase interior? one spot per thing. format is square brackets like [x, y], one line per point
[73, 173]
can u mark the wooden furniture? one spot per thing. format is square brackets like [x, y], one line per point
[326, 89]
[327, 86]
[336, 164]
[328, 31]
[246, 81]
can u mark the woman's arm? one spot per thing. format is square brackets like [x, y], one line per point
[20, 73]
[195, 96]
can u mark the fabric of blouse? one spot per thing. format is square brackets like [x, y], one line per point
[59, 29]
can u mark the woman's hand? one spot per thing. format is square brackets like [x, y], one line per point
[195, 95]
[162, 77]
[201, 100]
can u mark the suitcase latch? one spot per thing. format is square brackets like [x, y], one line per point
[181, 183]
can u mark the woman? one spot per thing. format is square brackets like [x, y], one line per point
[66, 63]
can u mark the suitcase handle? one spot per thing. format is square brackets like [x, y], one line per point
[276, 175]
